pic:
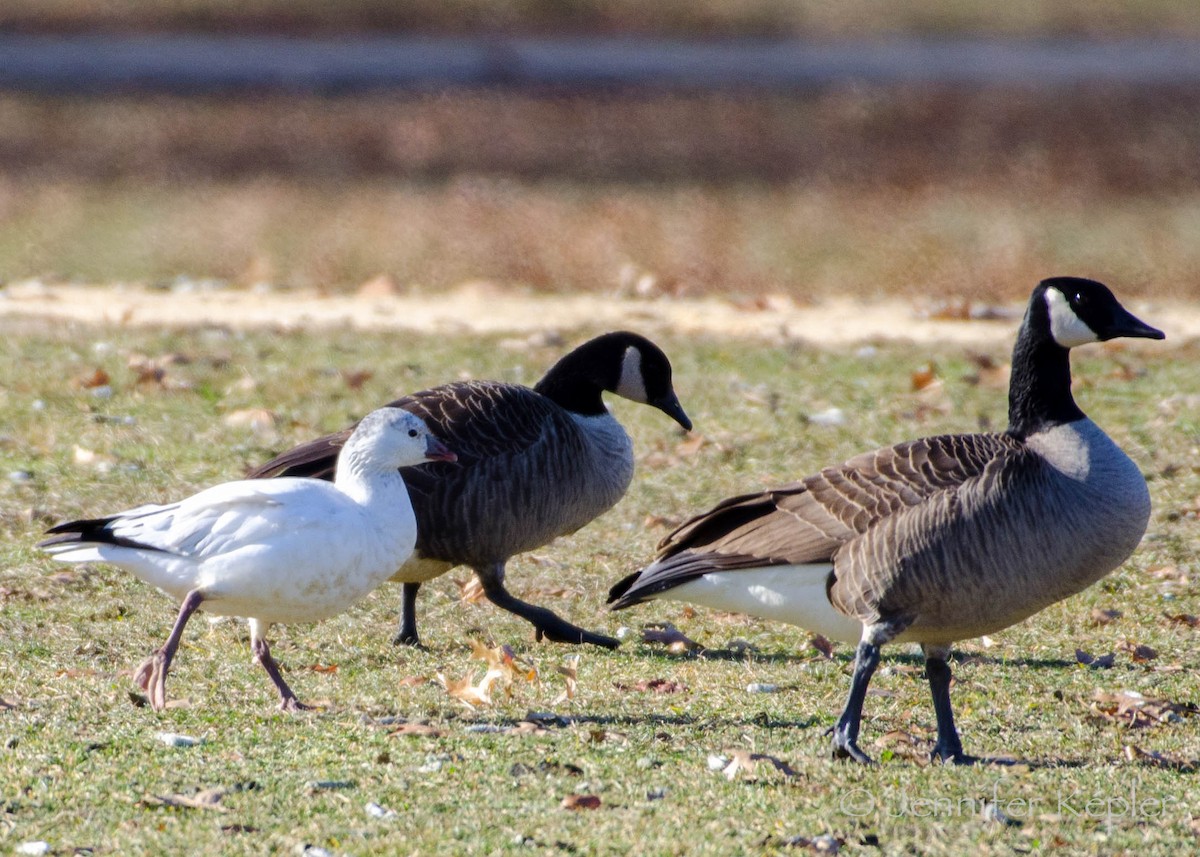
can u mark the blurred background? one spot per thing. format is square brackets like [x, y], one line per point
[918, 147]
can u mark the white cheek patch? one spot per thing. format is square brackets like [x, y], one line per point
[632, 385]
[1066, 327]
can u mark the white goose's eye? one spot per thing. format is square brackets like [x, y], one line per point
[412, 432]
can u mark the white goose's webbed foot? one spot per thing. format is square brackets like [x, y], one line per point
[262, 653]
[151, 675]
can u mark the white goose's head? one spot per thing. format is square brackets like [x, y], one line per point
[392, 438]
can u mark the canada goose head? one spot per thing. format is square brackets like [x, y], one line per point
[1063, 312]
[1079, 311]
[624, 363]
[391, 438]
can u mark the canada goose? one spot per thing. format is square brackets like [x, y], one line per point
[289, 550]
[936, 540]
[533, 465]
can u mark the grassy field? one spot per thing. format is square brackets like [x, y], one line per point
[89, 429]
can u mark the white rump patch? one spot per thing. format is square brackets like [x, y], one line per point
[632, 385]
[794, 594]
[1068, 329]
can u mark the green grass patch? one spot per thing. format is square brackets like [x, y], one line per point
[81, 766]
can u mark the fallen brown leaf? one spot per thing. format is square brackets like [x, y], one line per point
[355, 378]
[744, 760]
[675, 640]
[205, 799]
[656, 685]
[1104, 617]
[1158, 760]
[822, 645]
[924, 377]
[255, 419]
[1140, 654]
[412, 681]
[1183, 619]
[577, 802]
[417, 729]
[470, 591]
[323, 668]
[90, 380]
[1130, 708]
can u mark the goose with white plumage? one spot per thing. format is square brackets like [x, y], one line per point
[278, 551]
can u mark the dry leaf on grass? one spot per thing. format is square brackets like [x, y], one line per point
[744, 760]
[205, 799]
[322, 668]
[577, 802]
[470, 591]
[258, 420]
[1104, 617]
[471, 695]
[1183, 619]
[822, 645]
[422, 729]
[569, 670]
[355, 378]
[655, 685]
[925, 378]
[667, 634]
[1158, 760]
[1140, 654]
[1131, 709]
[90, 380]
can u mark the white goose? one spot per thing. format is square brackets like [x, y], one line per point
[283, 550]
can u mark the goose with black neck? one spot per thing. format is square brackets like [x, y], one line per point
[934, 540]
[533, 465]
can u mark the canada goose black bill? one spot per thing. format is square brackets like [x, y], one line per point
[935, 540]
[533, 465]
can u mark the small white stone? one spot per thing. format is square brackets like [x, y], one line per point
[376, 811]
[825, 844]
[828, 417]
[761, 687]
[717, 763]
[35, 847]
[174, 739]
[623, 632]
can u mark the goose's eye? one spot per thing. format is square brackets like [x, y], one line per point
[412, 432]
[1079, 298]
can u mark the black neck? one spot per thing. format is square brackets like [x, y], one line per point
[570, 385]
[1039, 392]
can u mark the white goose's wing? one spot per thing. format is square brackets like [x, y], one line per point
[216, 521]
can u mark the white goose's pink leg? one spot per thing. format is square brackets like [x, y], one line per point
[262, 653]
[151, 676]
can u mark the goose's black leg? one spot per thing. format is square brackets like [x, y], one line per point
[546, 623]
[407, 635]
[948, 747]
[151, 676]
[845, 731]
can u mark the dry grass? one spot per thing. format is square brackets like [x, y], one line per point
[843, 191]
[704, 17]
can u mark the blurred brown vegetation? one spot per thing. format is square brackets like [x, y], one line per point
[860, 190]
[811, 18]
